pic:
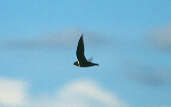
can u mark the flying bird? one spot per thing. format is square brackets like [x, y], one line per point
[82, 61]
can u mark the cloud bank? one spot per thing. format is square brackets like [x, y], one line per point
[80, 93]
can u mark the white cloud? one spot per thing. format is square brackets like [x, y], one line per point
[81, 93]
[87, 93]
[12, 92]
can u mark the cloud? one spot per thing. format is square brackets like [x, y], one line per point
[149, 75]
[81, 93]
[12, 92]
[67, 38]
[88, 94]
[161, 37]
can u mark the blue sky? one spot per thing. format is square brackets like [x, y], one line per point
[131, 40]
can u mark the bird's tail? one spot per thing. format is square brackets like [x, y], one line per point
[95, 64]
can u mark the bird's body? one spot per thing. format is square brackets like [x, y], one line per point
[87, 64]
[82, 61]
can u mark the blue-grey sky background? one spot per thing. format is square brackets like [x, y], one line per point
[130, 39]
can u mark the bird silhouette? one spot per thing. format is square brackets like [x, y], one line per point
[82, 61]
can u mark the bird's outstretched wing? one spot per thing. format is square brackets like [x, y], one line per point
[80, 51]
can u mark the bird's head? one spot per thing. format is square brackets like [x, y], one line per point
[76, 63]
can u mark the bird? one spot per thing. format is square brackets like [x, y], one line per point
[82, 61]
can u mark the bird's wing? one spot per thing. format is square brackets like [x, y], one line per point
[80, 51]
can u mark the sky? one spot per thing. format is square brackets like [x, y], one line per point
[131, 41]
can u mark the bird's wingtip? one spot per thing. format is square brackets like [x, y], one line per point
[81, 34]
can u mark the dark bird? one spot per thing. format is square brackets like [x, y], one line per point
[82, 61]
